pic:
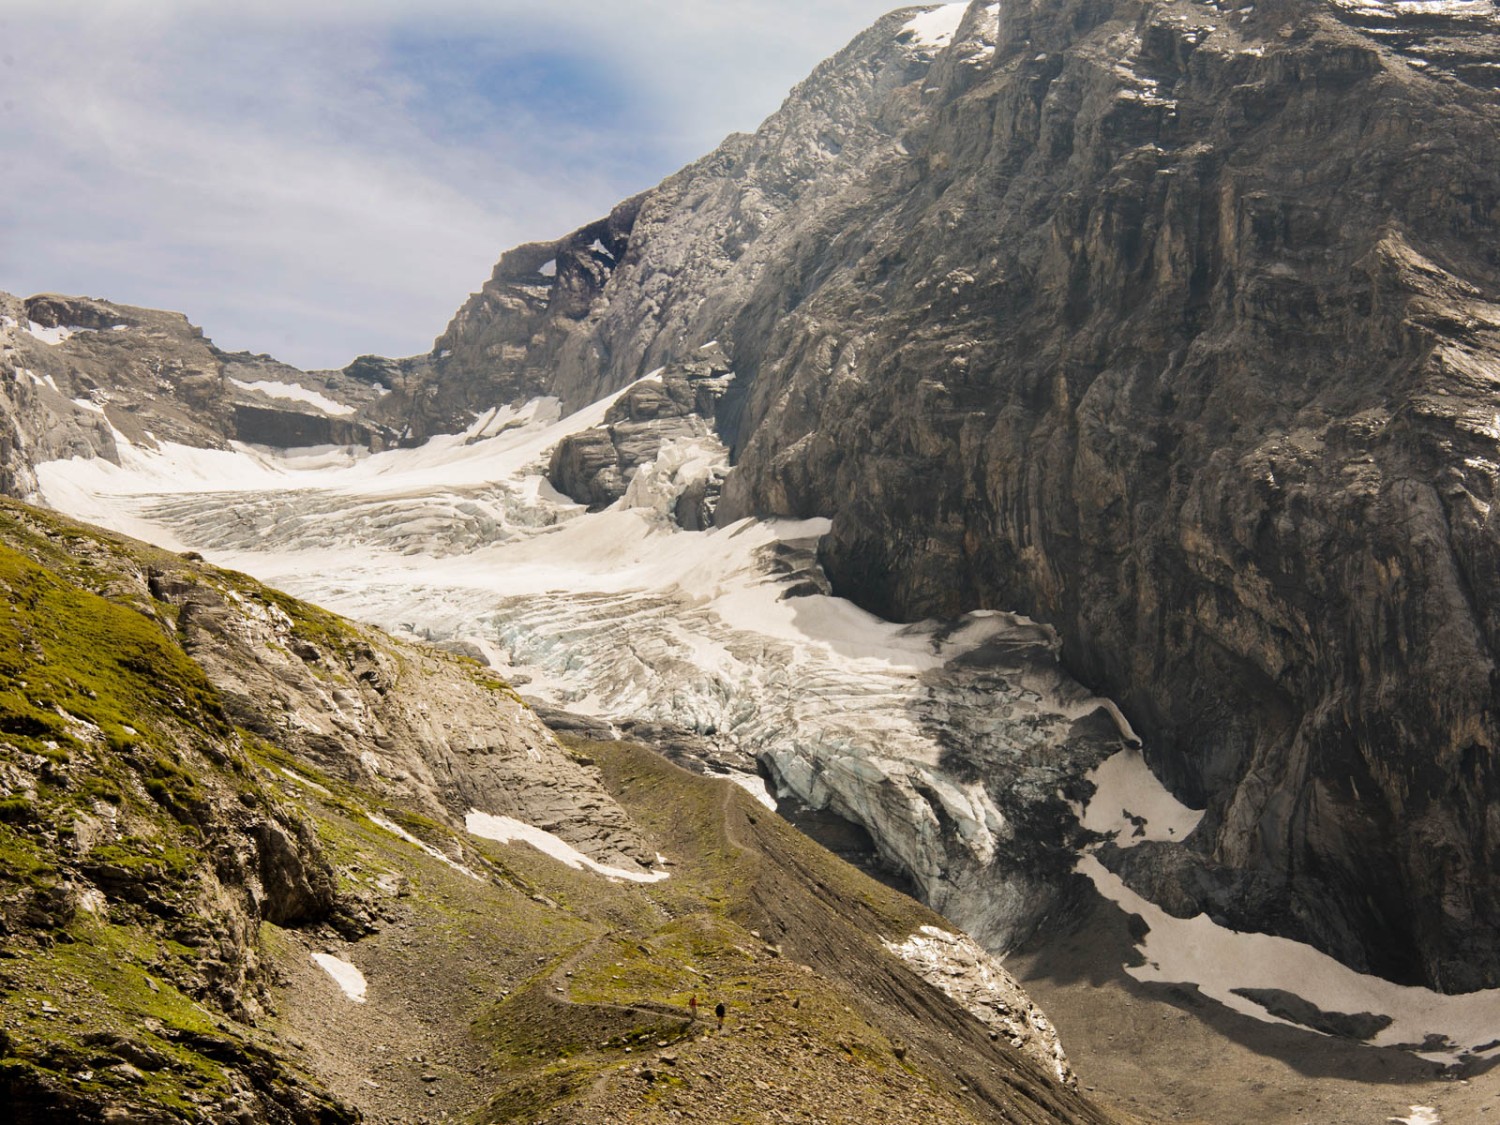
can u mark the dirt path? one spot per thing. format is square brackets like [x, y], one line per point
[560, 992]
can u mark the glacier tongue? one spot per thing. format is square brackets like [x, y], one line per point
[958, 745]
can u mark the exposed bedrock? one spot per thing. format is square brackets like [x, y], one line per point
[284, 429]
[1204, 373]
[77, 374]
[657, 442]
[506, 341]
[1176, 328]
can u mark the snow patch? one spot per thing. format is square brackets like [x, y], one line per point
[751, 783]
[1218, 961]
[507, 830]
[94, 901]
[345, 975]
[1394, 10]
[308, 782]
[397, 830]
[295, 393]
[53, 336]
[503, 444]
[1419, 1115]
[935, 29]
[1132, 805]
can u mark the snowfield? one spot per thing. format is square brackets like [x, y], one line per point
[1224, 964]
[1132, 805]
[396, 830]
[935, 29]
[508, 830]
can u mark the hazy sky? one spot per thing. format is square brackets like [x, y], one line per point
[329, 177]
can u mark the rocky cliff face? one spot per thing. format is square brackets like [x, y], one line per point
[1174, 325]
[658, 278]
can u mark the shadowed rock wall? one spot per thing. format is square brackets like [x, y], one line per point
[1179, 329]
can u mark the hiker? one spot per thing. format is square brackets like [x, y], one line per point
[719, 1011]
[693, 1006]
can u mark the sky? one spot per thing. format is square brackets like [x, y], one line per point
[328, 178]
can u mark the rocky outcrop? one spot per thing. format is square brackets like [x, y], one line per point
[1174, 327]
[141, 858]
[291, 429]
[675, 408]
[505, 342]
[431, 730]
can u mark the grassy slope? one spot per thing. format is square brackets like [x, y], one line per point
[535, 993]
[124, 962]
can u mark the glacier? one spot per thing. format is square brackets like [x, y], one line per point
[948, 741]
[982, 771]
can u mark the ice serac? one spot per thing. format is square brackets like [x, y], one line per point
[1174, 325]
[656, 446]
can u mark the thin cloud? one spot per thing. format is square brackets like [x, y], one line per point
[318, 183]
